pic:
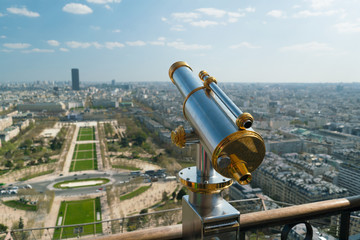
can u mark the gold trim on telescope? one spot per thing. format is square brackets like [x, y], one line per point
[176, 66]
[178, 136]
[208, 81]
[246, 150]
[205, 187]
[187, 97]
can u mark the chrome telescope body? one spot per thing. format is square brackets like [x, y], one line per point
[234, 148]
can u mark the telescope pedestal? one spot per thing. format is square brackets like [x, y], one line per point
[209, 216]
[205, 214]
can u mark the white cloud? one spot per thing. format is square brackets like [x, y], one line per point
[163, 19]
[2, 36]
[112, 45]
[160, 42]
[116, 31]
[103, 1]
[318, 4]
[234, 16]
[64, 49]
[136, 43]
[185, 16]
[276, 14]
[53, 43]
[77, 8]
[16, 45]
[6, 50]
[307, 13]
[22, 11]
[204, 23]
[157, 43]
[96, 28]
[308, 47]
[97, 45]
[183, 46]
[108, 7]
[2, 15]
[296, 6]
[244, 44]
[177, 28]
[74, 44]
[37, 50]
[348, 27]
[250, 9]
[218, 13]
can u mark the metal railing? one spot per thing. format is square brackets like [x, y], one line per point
[152, 224]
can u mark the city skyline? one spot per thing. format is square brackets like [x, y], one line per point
[248, 41]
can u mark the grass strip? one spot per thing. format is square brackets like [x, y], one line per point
[126, 167]
[36, 175]
[78, 212]
[135, 193]
[19, 205]
[105, 180]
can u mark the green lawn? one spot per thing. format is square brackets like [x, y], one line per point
[135, 193]
[86, 133]
[85, 155]
[77, 212]
[82, 152]
[86, 137]
[83, 165]
[86, 146]
[19, 205]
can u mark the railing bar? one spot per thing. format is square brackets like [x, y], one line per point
[344, 225]
[117, 219]
[243, 200]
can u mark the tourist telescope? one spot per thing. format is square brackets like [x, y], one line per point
[227, 148]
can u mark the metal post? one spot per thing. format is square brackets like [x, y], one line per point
[205, 213]
[344, 225]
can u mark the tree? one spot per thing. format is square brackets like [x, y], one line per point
[180, 194]
[164, 196]
[9, 164]
[140, 138]
[3, 228]
[21, 223]
[124, 142]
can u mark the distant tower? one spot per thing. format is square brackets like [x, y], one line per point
[113, 82]
[75, 79]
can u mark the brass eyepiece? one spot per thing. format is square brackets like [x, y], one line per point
[240, 172]
[203, 74]
[244, 121]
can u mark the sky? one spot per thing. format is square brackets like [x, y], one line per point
[138, 40]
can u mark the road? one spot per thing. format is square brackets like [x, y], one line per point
[44, 185]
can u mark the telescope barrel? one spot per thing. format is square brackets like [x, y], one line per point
[234, 151]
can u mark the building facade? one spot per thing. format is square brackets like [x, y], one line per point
[75, 79]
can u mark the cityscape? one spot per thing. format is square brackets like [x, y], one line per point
[123, 119]
[108, 147]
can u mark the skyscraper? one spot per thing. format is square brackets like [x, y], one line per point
[75, 79]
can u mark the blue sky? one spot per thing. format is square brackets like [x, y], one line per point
[138, 40]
